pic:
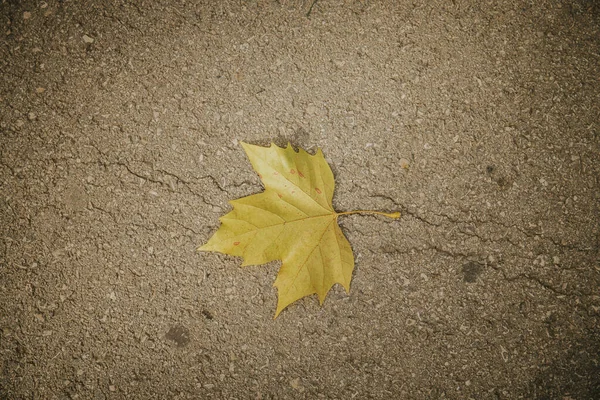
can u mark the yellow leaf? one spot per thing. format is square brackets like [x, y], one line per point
[293, 220]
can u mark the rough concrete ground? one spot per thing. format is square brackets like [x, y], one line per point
[120, 125]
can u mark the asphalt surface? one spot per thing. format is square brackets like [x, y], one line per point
[120, 127]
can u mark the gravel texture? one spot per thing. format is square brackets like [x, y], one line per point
[120, 125]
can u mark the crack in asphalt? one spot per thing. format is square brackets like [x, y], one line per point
[452, 220]
[459, 254]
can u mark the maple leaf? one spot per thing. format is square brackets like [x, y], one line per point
[293, 220]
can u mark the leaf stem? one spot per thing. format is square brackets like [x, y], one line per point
[394, 215]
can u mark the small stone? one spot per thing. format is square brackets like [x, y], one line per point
[31, 116]
[112, 388]
[404, 163]
[311, 110]
[26, 15]
[88, 39]
[295, 383]
[541, 260]
[40, 90]
[556, 260]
